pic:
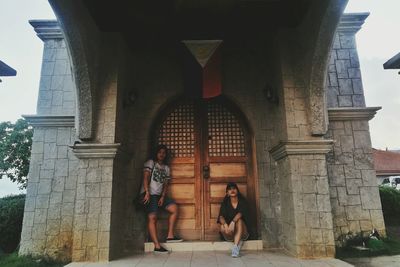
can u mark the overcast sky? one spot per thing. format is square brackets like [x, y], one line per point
[378, 40]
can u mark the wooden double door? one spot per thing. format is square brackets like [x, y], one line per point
[210, 146]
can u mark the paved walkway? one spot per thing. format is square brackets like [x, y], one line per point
[211, 259]
[382, 261]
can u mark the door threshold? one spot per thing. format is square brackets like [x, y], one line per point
[205, 246]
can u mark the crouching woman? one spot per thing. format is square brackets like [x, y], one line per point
[233, 217]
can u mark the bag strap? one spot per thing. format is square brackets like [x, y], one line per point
[152, 169]
[151, 176]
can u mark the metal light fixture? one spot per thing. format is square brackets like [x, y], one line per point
[270, 94]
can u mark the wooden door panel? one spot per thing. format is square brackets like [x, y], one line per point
[178, 130]
[228, 169]
[186, 211]
[228, 160]
[182, 170]
[181, 191]
[214, 210]
[218, 190]
[198, 134]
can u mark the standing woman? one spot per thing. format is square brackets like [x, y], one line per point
[233, 217]
[156, 175]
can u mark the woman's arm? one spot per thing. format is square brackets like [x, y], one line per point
[165, 189]
[222, 220]
[146, 177]
[237, 217]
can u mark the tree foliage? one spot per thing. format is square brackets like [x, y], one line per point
[390, 199]
[11, 215]
[15, 150]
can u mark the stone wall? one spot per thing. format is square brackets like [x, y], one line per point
[56, 89]
[344, 84]
[354, 193]
[92, 213]
[50, 202]
[50, 199]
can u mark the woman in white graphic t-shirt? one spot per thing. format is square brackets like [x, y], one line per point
[156, 175]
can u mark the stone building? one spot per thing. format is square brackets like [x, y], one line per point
[290, 126]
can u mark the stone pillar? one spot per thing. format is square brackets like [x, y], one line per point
[305, 206]
[50, 197]
[92, 221]
[354, 189]
[344, 84]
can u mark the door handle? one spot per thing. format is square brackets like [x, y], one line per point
[206, 171]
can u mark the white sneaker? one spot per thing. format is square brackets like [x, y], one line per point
[235, 251]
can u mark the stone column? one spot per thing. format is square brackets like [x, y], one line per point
[305, 206]
[354, 190]
[92, 220]
[50, 197]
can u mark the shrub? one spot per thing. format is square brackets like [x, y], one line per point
[13, 260]
[11, 215]
[390, 198]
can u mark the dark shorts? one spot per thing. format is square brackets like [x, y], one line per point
[153, 207]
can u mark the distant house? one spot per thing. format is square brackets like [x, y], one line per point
[387, 163]
[6, 70]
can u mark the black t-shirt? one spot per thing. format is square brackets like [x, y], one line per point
[228, 212]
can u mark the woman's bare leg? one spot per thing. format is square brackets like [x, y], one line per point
[173, 215]
[240, 230]
[226, 235]
[152, 226]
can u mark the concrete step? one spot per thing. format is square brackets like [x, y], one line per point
[205, 246]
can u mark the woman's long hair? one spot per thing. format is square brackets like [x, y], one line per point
[157, 149]
[228, 198]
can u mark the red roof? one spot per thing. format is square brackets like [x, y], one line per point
[386, 162]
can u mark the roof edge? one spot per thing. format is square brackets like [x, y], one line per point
[393, 63]
[47, 29]
[352, 22]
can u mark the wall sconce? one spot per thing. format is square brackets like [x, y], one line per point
[130, 98]
[270, 94]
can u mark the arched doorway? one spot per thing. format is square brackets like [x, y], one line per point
[210, 145]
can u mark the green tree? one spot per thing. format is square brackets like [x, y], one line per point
[15, 150]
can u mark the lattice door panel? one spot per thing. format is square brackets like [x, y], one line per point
[225, 135]
[177, 131]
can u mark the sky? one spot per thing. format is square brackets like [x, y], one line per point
[377, 42]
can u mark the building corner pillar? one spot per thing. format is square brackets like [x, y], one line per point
[92, 216]
[355, 198]
[305, 200]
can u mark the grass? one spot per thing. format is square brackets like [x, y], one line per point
[385, 246]
[13, 260]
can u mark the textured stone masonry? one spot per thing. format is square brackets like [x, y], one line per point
[50, 199]
[56, 89]
[79, 199]
[354, 193]
[353, 190]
